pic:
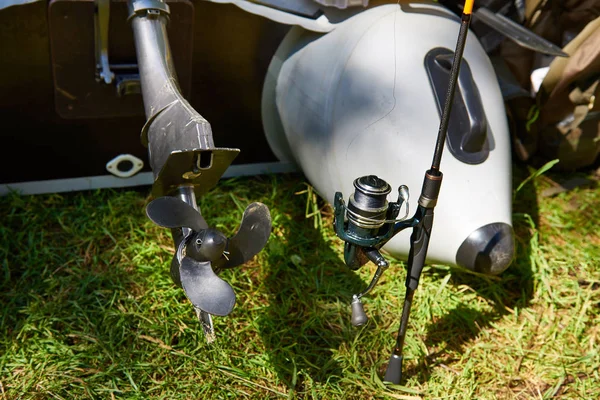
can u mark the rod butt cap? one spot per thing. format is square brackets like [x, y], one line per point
[393, 373]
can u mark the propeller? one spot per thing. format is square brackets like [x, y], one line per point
[206, 250]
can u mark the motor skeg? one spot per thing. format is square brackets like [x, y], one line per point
[358, 101]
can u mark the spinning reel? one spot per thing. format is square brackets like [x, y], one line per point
[366, 224]
[368, 221]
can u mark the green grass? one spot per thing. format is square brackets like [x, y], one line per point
[88, 309]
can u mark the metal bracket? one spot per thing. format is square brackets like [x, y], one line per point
[151, 7]
[101, 24]
[175, 171]
[128, 84]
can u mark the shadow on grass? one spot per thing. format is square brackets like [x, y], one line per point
[309, 292]
[57, 258]
[512, 289]
[73, 271]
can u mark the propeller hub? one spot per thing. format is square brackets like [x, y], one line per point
[207, 245]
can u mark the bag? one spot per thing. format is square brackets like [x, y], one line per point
[562, 120]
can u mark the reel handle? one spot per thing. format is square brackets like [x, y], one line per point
[359, 317]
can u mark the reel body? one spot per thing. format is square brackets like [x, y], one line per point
[369, 220]
[366, 224]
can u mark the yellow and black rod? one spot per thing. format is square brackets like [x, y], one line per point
[427, 201]
[460, 47]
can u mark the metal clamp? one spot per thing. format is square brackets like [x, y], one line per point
[150, 7]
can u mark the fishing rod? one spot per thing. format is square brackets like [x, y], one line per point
[369, 221]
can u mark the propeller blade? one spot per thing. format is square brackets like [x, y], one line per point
[175, 273]
[205, 289]
[172, 212]
[251, 237]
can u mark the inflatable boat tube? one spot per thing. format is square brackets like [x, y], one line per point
[366, 99]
